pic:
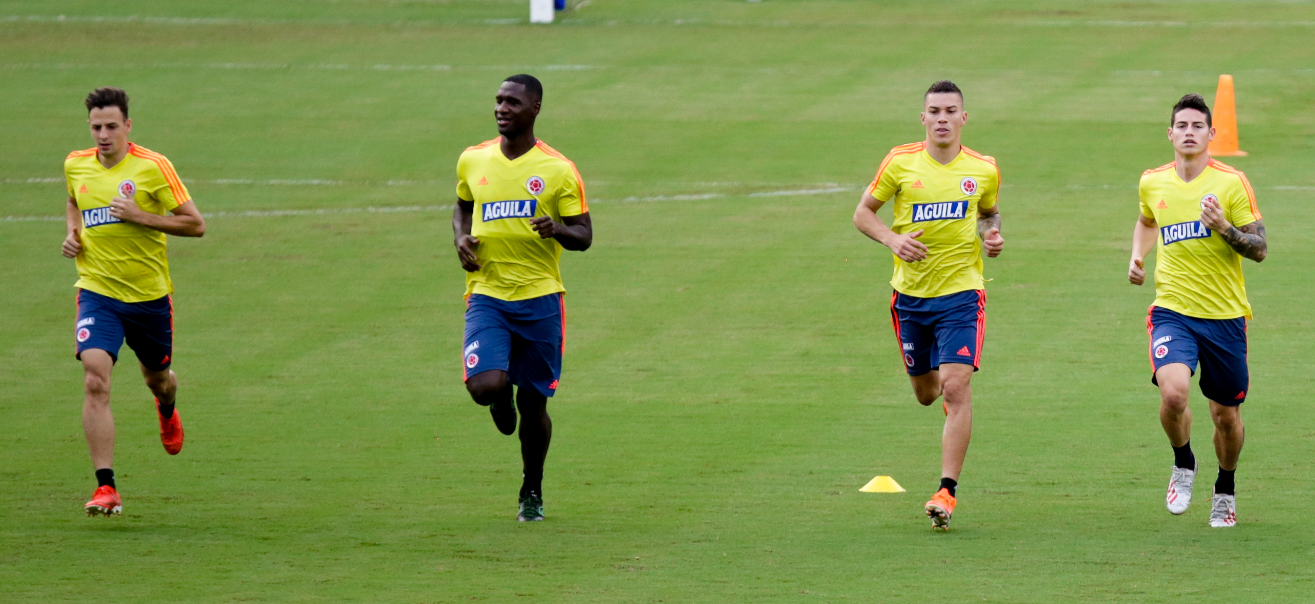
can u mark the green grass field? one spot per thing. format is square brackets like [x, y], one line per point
[731, 378]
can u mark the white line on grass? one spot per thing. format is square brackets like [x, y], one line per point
[228, 21]
[287, 66]
[437, 208]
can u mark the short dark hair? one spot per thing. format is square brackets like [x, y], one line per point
[1191, 101]
[530, 83]
[108, 97]
[943, 86]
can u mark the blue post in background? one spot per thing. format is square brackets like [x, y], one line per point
[559, 4]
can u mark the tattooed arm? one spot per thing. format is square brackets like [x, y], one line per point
[988, 228]
[1247, 240]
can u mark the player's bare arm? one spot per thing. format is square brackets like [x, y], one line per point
[1247, 240]
[574, 233]
[461, 237]
[73, 221]
[988, 228]
[1143, 241]
[906, 246]
[185, 222]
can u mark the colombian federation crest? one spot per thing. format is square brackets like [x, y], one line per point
[84, 334]
[127, 189]
[968, 185]
[535, 185]
[908, 359]
[1161, 351]
[1210, 197]
[472, 360]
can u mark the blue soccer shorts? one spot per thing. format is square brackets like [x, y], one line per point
[1220, 345]
[944, 329]
[105, 323]
[525, 338]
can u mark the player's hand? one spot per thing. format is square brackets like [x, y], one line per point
[993, 243]
[1137, 271]
[125, 209]
[907, 246]
[73, 244]
[466, 253]
[545, 226]
[1212, 216]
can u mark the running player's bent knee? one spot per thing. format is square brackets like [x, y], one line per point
[1172, 397]
[97, 385]
[1225, 417]
[158, 382]
[485, 387]
[957, 389]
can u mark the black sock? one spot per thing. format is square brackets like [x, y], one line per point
[105, 477]
[1183, 458]
[532, 483]
[166, 411]
[1224, 484]
[951, 484]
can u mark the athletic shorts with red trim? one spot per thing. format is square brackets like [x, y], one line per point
[105, 323]
[525, 338]
[1220, 345]
[944, 329]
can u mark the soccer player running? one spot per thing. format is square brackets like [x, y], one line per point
[1202, 219]
[123, 200]
[519, 204]
[945, 212]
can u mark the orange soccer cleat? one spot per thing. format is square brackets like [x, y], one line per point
[171, 430]
[105, 501]
[940, 508]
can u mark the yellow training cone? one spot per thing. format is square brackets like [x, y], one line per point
[1225, 120]
[882, 484]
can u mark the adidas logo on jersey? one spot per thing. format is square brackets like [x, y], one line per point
[940, 210]
[482, 181]
[1183, 231]
[83, 189]
[1161, 205]
[516, 208]
[917, 185]
[98, 216]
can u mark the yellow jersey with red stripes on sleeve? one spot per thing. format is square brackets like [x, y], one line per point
[942, 201]
[123, 260]
[517, 264]
[1196, 272]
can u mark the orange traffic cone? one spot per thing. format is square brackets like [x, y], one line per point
[1225, 119]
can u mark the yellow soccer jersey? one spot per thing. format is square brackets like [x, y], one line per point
[122, 260]
[942, 201]
[1196, 272]
[516, 263]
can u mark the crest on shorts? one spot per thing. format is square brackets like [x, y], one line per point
[968, 185]
[472, 360]
[535, 185]
[908, 359]
[127, 189]
[1161, 351]
[1210, 197]
[84, 334]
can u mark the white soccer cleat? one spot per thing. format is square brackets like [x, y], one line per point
[1223, 511]
[1179, 495]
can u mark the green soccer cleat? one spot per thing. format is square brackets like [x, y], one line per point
[531, 507]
